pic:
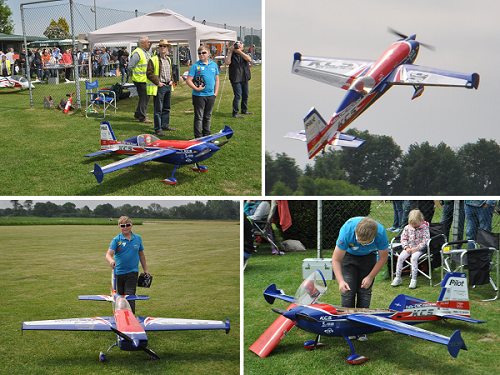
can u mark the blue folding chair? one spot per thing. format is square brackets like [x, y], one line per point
[97, 98]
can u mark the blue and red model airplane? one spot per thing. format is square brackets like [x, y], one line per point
[365, 82]
[146, 147]
[130, 330]
[334, 321]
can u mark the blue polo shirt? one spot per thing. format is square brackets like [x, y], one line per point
[126, 253]
[209, 72]
[347, 239]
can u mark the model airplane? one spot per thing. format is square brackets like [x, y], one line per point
[15, 82]
[130, 330]
[146, 147]
[365, 82]
[334, 321]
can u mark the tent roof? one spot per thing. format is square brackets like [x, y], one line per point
[162, 24]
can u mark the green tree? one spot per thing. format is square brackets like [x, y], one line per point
[374, 164]
[6, 23]
[320, 186]
[249, 39]
[430, 170]
[62, 22]
[104, 210]
[481, 163]
[283, 169]
[56, 32]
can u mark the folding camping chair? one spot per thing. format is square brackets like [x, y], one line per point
[96, 98]
[479, 260]
[429, 260]
[264, 229]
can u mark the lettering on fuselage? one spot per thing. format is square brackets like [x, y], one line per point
[331, 65]
[123, 147]
[423, 312]
[454, 282]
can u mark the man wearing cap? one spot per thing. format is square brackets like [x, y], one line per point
[158, 84]
[138, 65]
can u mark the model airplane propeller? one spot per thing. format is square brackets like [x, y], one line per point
[334, 321]
[130, 330]
[146, 147]
[366, 81]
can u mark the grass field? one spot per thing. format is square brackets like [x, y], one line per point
[43, 150]
[45, 268]
[390, 353]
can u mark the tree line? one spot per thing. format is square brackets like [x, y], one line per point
[379, 167]
[211, 210]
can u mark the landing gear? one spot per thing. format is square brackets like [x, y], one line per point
[102, 356]
[173, 181]
[314, 344]
[354, 359]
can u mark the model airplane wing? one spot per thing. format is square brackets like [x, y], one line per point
[409, 74]
[102, 152]
[226, 132]
[78, 324]
[333, 71]
[172, 324]
[454, 343]
[127, 162]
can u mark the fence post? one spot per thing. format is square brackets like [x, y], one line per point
[28, 73]
[75, 61]
[320, 219]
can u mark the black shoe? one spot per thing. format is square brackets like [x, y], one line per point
[169, 129]
[159, 133]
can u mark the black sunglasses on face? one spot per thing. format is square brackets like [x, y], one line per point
[125, 225]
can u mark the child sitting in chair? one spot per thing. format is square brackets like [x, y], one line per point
[414, 242]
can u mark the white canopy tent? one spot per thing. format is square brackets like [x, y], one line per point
[162, 24]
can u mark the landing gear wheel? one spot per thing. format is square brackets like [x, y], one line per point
[169, 181]
[102, 357]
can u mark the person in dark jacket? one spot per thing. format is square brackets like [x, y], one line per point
[239, 75]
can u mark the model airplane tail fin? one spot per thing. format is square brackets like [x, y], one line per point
[454, 297]
[319, 134]
[107, 135]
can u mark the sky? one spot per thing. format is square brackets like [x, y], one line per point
[464, 33]
[234, 13]
[94, 202]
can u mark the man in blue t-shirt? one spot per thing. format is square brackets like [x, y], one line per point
[203, 78]
[124, 254]
[355, 262]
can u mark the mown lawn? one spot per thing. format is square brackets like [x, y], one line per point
[43, 150]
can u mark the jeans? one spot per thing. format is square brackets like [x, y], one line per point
[162, 107]
[203, 106]
[240, 91]
[447, 219]
[126, 284]
[477, 217]
[142, 105]
[354, 269]
[123, 71]
[397, 206]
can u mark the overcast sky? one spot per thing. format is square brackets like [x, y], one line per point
[231, 12]
[465, 33]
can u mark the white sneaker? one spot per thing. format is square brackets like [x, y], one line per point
[363, 337]
[413, 283]
[396, 281]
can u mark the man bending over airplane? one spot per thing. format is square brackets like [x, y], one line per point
[355, 262]
[127, 250]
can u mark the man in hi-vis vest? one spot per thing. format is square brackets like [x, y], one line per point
[138, 65]
[159, 84]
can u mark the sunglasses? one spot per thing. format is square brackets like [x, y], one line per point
[202, 53]
[161, 45]
[125, 225]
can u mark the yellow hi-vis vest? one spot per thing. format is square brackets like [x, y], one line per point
[139, 71]
[151, 88]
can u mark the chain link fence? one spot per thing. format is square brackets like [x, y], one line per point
[64, 25]
[330, 215]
